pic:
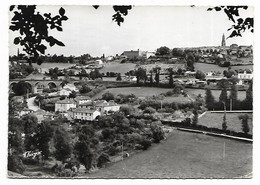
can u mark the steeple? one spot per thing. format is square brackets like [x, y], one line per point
[223, 43]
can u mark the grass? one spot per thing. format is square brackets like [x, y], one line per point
[138, 91]
[144, 92]
[233, 123]
[185, 155]
[212, 67]
[241, 95]
[117, 67]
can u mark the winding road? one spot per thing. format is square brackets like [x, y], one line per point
[31, 104]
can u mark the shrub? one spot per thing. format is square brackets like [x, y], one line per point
[146, 143]
[15, 163]
[149, 110]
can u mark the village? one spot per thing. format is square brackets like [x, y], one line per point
[87, 116]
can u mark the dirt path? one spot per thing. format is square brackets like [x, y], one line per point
[31, 105]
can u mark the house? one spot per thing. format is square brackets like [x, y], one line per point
[244, 77]
[88, 104]
[133, 79]
[72, 87]
[132, 54]
[99, 62]
[106, 107]
[64, 105]
[65, 92]
[82, 99]
[84, 114]
[190, 73]
[25, 111]
[149, 54]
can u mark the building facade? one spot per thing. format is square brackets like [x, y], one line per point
[64, 105]
[84, 114]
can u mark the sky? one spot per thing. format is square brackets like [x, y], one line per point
[145, 27]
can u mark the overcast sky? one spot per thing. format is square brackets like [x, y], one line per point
[145, 27]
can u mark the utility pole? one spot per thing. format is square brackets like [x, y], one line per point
[122, 151]
[224, 150]
[230, 104]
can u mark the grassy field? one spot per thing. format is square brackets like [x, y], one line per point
[138, 91]
[144, 92]
[117, 67]
[233, 123]
[241, 95]
[185, 155]
[212, 67]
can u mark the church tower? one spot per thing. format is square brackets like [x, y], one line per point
[223, 43]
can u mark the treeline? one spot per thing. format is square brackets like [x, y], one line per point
[92, 144]
[230, 102]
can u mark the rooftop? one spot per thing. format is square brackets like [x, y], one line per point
[84, 110]
[66, 101]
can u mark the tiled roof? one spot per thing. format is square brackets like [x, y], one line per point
[66, 101]
[83, 110]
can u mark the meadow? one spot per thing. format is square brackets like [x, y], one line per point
[204, 67]
[185, 155]
[214, 120]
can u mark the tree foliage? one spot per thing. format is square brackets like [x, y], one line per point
[163, 51]
[240, 24]
[34, 29]
[209, 99]
[62, 145]
[245, 126]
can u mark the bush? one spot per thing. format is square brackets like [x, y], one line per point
[146, 143]
[15, 163]
[113, 150]
[149, 110]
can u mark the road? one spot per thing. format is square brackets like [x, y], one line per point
[31, 105]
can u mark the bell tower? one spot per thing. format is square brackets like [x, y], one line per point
[223, 42]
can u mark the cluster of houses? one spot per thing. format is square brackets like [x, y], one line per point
[82, 108]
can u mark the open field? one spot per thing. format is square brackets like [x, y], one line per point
[241, 95]
[144, 92]
[185, 155]
[138, 91]
[233, 123]
[117, 67]
[212, 67]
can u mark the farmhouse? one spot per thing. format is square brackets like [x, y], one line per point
[244, 77]
[72, 87]
[82, 99]
[65, 92]
[25, 111]
[84, 114]
[64, 105]
[132, 54]
[106, 107]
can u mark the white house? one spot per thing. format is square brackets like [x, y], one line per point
[99, 62]
[84, 114]
[65, 92]
[72, 87]
[25, 111]
[106, 107]
[82, 99]
[244, 77]
[64, 105]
